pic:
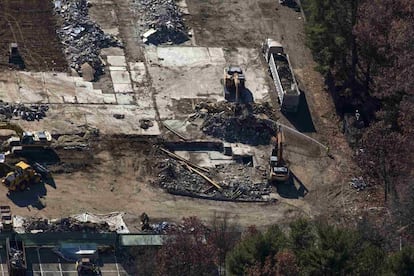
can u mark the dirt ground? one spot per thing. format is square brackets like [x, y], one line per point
[116, 173]
[31, 24]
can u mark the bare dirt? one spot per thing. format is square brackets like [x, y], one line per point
[32, 25]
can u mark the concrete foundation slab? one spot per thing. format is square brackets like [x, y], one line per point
[116, 60]
[184, 56]
[125, 99]
[74, 102]
[182, 75]
[123, 88]
[120, 77]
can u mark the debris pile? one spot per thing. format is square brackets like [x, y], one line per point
[28, 113]
[65, 225]
[237, 186]
[16, 258]
[358, 183]
[82, 38]
[161, 21]
[248, 124]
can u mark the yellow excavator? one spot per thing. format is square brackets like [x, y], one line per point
[22, 176]
[278, 168]
[233, 82]
[25, 139]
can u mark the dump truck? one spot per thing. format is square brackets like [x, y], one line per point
[21, 177]
[16, 257]
[278, 168]
[233, 83]
[282, 74]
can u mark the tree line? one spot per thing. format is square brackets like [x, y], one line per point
[364, 48]
[303, 248]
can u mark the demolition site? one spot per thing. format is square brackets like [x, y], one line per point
[112, 110]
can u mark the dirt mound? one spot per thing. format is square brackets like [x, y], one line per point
[248, 124]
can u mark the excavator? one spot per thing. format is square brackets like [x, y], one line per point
[233, 82]
[278, 168]
[21, 177]
[25, 139]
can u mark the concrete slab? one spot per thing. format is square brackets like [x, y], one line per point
[183, 74]
[117, 68]
[116, 60]
[112, 51]
[109, 98]
[119, 77]
[123, 88]
[184, 56]
[125, 99]
[112, 31]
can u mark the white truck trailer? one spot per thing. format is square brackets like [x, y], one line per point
[282, 74]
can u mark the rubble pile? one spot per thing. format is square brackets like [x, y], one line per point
[65, 225]
[161, 21]
[28, 113]
[248, 124]
[237, 186]
[358, 183]
[82, 38]
[16, 258]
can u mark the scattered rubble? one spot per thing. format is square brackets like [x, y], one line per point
[65, 225]
[145, 124]
[235, 180]
[16, 258]
[248, 124]
[28, 113]
[82, 38]
[161, 21]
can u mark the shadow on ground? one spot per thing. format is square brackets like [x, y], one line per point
[246, 96]
[29, 197]
[302, 119]
[43, 156]
[293, 188]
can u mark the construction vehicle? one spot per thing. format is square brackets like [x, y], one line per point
[233, 83]
[25, 139]
[85, 266]
[282, 74]
[278, 168]
[21, 177]
[16, 257]
[14, 56]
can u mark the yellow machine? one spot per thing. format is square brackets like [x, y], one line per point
[233, 82]
[278, 169]
[21, 177]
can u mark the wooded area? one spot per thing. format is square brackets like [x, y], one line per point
[303, 248]
[365, 51]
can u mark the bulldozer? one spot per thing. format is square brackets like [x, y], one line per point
[233, 82]
[278, 168]
[22, 176]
